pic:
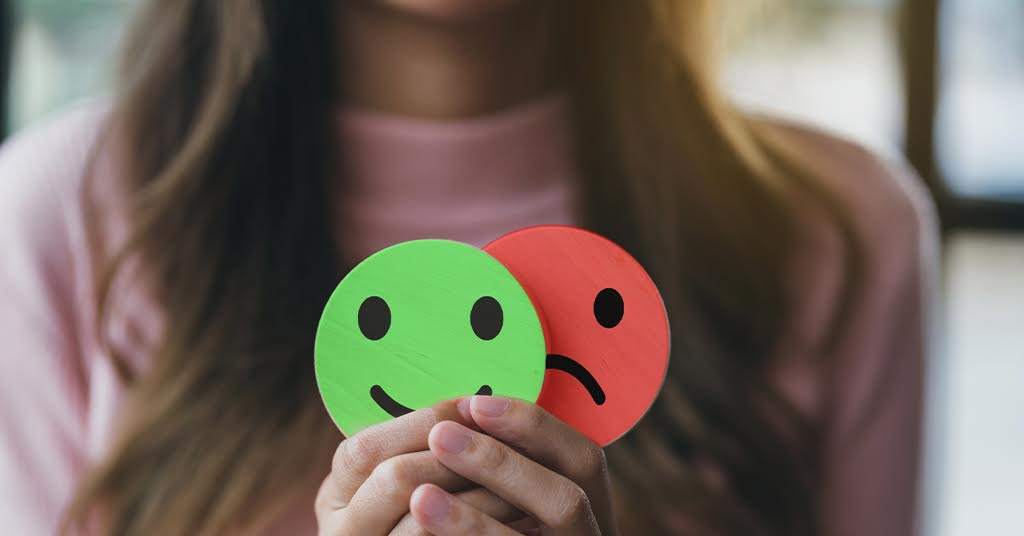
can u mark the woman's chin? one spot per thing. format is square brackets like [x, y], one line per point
[451, 11]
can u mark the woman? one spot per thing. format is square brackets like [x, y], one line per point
[167, 256]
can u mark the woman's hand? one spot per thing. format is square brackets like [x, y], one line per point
[374, 473]
[415, 475]
[525, 456]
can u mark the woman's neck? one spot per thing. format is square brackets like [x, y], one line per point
[408, 65]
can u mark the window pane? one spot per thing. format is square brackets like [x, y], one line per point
[981, 120]
[828, 62]
[63, 51]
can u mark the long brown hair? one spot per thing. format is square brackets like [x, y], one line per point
[223, 110]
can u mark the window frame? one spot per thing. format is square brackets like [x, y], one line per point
[920, 40]
[7, 25]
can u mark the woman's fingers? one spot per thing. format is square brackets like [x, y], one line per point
[490, 504]
[357, 456]
[480, 499]
[383, 498]
[444, 515]
[547, 440]
[538, 434]
[554, 500]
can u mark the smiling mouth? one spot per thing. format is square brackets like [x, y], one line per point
[578, 371]
[554, 362]
[395, 409]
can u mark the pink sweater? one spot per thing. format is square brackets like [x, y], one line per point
[468, 180]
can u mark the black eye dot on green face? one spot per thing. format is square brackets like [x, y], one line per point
[486, 318]
[608, 308]
[374, 318]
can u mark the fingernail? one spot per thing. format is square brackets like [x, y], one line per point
[452, 438]
[434, 504]
[462, 405]
[490, 406]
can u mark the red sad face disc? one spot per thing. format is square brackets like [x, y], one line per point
[605, 325]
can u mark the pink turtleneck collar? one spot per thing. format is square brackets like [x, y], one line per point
[469, 179]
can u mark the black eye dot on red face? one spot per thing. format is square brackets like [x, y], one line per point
[486, 318]
[374, 318]
[608, 308]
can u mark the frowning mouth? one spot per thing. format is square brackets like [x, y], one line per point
[578, 371]
[396, 409]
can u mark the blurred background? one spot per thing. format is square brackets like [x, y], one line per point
[939, 82]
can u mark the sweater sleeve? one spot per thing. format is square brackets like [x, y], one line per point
[875, 390]
[43, 376]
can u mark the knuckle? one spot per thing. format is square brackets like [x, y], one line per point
[471, 522]
[395, 475]
[533, 417]
[441, 411]
[572, 505]
[591, 462]
[525, 416]
[355, 454]
[493, 458]
[524, 419]
[433, 413]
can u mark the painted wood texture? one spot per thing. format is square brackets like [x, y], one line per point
[606, 327]
[420, 322]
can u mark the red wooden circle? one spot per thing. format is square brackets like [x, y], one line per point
[565, 270]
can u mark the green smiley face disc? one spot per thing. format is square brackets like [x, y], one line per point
[420, 322]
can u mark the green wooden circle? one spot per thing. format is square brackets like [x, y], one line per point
[428, 350]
